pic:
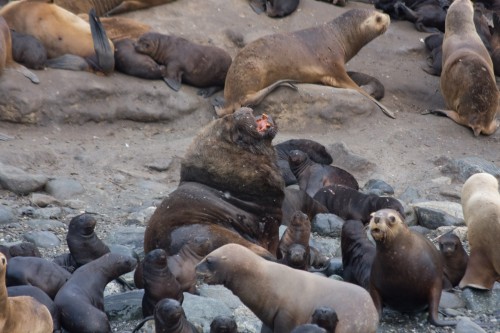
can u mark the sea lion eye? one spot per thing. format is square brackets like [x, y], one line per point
[378, 19]
[392, 219]
[3, 261]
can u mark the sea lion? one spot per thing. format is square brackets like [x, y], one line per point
[325, 317]
[131, 62]
[62, 32]
[223, 324]
[313, 176]
[297, 233]
[158, 280]
[195, 64]
[454, 259]
[240, 270]
[350, 204]
[299, 200]
[481, 207]
[495, 44]
[314, 55]
[119, 28]
[434, 44]
[230, 190]
[21, 313]
[81, 298]
[170, 318]
[308, 328]
[297, 256]
[281, 8]
[28, 50]
[37, 272]
[358, 253]
[468, 82]
[368, 83]
[42, 298]
[407, 272]
[23, 249]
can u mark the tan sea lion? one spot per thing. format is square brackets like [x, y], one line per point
[468, 82]
[118, 28]
[481, 206]
[107, 7]
[314, 55]
[407, 271]
[62, 32]
[286, 297]
[21, 313]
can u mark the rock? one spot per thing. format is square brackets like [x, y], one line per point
[43, 200]
[433, 218]
[420, 229]
[6, 215]
[45, 224]
[154, 187]
[348, 160]
[481, 301]
[48, 213]
[451, 208]
[143, 216]
[201, 310]
[44, 239]
[334, 267]
[377, 187]
[410, 217]
[327, 225]
[451, 301]
[64, 188]
[463, 168]
[465, 325]
[160, 165]
[19, 181]
[125, 306]
[409, 195]
[132, 237]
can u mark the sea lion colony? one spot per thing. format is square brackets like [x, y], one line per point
[265, 245]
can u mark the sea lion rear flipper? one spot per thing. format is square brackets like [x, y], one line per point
[103, 50]
[173, 83]
[207, 92]
[258, 6]
[256, 98]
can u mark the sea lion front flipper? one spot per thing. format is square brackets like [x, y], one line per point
[68, 62]
[26, 72]
[103, 50]
[173, 83]
[258, 6]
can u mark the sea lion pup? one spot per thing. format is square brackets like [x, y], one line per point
[325, 317]
[37, 272]
[118, 28]
[308, 328]
[434, 44]
[297, 233]
[281, 8]
[495, 44]
[170, 318]
[198, 65]
[481, 206]
[256, 71]
[6, 58]
[62, 32]
[41, 297]
[230, 190]
[468, 82]
[131, 62]
[24, 249]
[358, 253]
[454, 259]
[240, 270]
[299, 200]
[81, 298]
[223, 324]
[370, 84]
[314, 176]
[28, 50]
[21, 313]
[350, 204]
[158, 280]
[407, 272]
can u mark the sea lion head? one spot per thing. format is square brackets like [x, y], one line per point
[385, 224]
[297, 256]
[168, 312]
[448, 244]
[83, 225]
[299, 219]
[216, 267]
[148, 43]
[360, 26]
[325, 317]
[156, 258]
[223, 324]
[244, 129]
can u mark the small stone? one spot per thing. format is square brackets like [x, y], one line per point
[6, 215]
[19, 181]
[465, 325]
[48, 213]
[451, 208]
[327, 225]
[44, 239]
[125, 306]
[451, 301]
[481, 301]
[463, 168]
[378, 187]
[43, 200]
[132, 237]
[64, 188]
[160, 165]
[433, 218]
[410, 194]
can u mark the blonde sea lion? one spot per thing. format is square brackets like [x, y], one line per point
[118, 28]
[107, 7]
[272, 291]
[21, 313]
[468, 82]
[314, 55]
[481, 206]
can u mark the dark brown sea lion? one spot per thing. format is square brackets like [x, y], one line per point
[230, 190]
[62, 32]
[297, 256]
[481, 206]
[325, 317]
[454, 259]
[158, 280]
[195, 64]
[28, 50]
[170, 318]
[299, 200]
[81, 298]
[21, 313]
[314, 55]
[313, 176]
[434, 44]
[281, 8]
[350, 204]
[369, 83]
[308, 328]
[23, 249]
[297, 233]
[274, 301]
[358, 253]
[407, 271]
[41, 297]
[131, 62]
[37, 272]
[468, 82]
[223, 324]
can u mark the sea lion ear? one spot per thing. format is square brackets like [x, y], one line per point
[372, 214]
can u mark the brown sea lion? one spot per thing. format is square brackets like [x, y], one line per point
[299, 200]
[454, 259]
[118, 28]
[223, 324]
[195, 64]
[358, 253]
[37, 272]
[158, 280]
[170, 318]
[407, 271]
[21, 313]
[28, 50]
[81, 298]
[230, 190]
[313, 176]
[350, 204]
[297, 233]
[107, 7]
[275, 300]
[62, 32]
[481, 207]
[325, 317]
[23, 249]
[495, 44]
[314, 55]
[468, 82]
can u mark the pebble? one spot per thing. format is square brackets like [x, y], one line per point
[43, 200]
[45, 224]
[6, 215]
[378, 187]
[465, 325]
